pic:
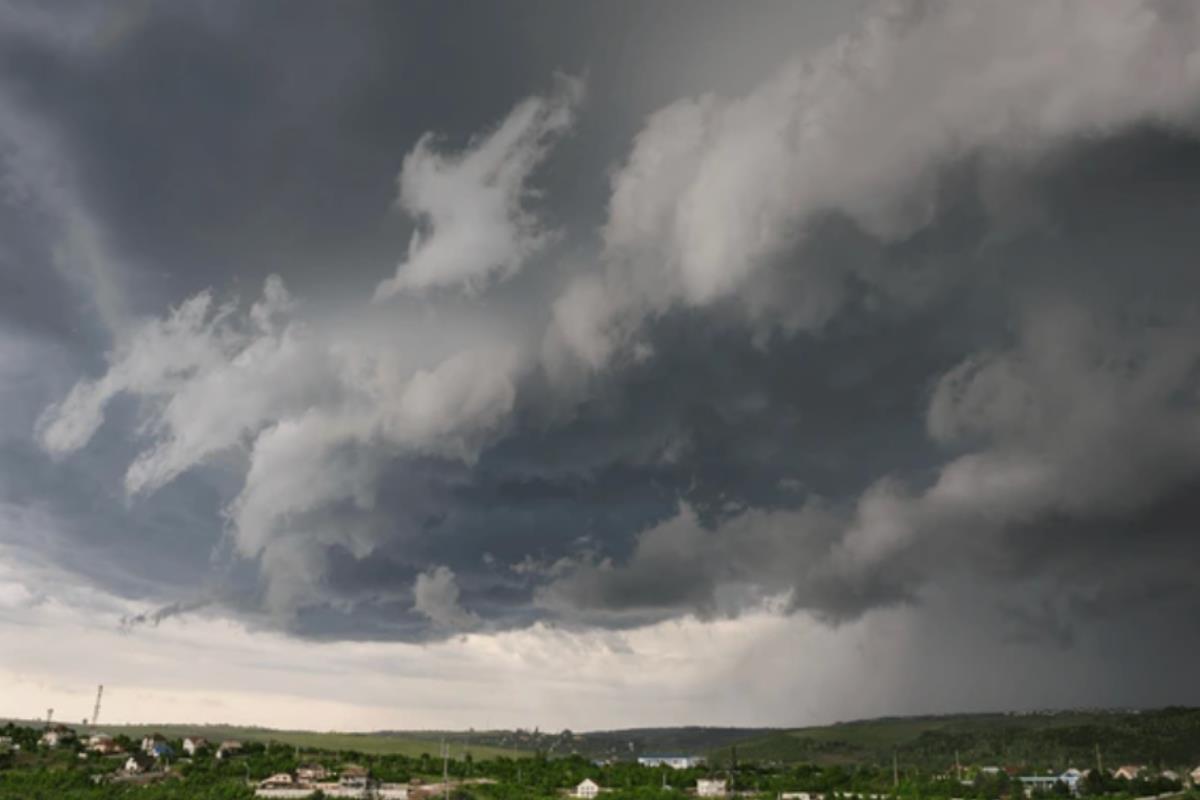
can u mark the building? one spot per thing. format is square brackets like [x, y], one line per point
[160, 750]
[392, 791]
[353, 777]
[711, 787]
[1129, 772]
[278, 780]
[229, 747]
[6, 744]
[103, 744]
[137, 763]
[156, 745]
[1194, 775]
[672, 761]
[57, 735]
[191, 744]
[586, 788]
[311, 772]
[1071, 778]
[99, 742]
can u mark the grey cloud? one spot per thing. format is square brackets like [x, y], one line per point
[435, 594]
[820, 354]
[473, 226]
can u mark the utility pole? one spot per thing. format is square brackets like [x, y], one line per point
[957, 766]
[1099, 763]
[445, 770]
[895, 771]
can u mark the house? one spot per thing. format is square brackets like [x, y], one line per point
[108, 748]
[1071, 777]
[1129, 772]
[149, 741]
[392, 791]
[672, 761]
[353, 777]
[100, 743]
[56, 735]
[280, 780]
[137, 763]
[586, 788]
[160, 750]
[711, 787]
[311, 772]
[229, 747]
[103, 744]
[193, 743]
[1194, 776]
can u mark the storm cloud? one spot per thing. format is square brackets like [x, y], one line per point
[904, 316]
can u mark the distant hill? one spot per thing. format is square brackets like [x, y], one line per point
[1167, 737]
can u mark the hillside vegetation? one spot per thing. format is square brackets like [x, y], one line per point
[1167, 737]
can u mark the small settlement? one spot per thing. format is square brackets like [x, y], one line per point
[156, 757]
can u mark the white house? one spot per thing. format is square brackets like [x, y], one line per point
[229, 747]
[711, 787]
[280, 779]
[311, 772]
[674, 762]
[1195, 776]
[136, 763]
[193, 743]
[57, 735]
[103, 744]
[291, 792]
[1070, 777]
[586, 788]
[1129, 772]
[100, 742]
[392, 791]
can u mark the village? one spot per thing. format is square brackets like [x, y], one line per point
[274, 770]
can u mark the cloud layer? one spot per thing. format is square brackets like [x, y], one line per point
[907, 320]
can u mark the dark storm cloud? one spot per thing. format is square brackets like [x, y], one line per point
[837, 361]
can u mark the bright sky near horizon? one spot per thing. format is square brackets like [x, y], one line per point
[597, 365]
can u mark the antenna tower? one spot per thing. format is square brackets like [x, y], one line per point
[96, 710]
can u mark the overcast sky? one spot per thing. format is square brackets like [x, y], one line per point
[397, 365]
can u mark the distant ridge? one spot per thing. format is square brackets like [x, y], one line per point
[1165, 736]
